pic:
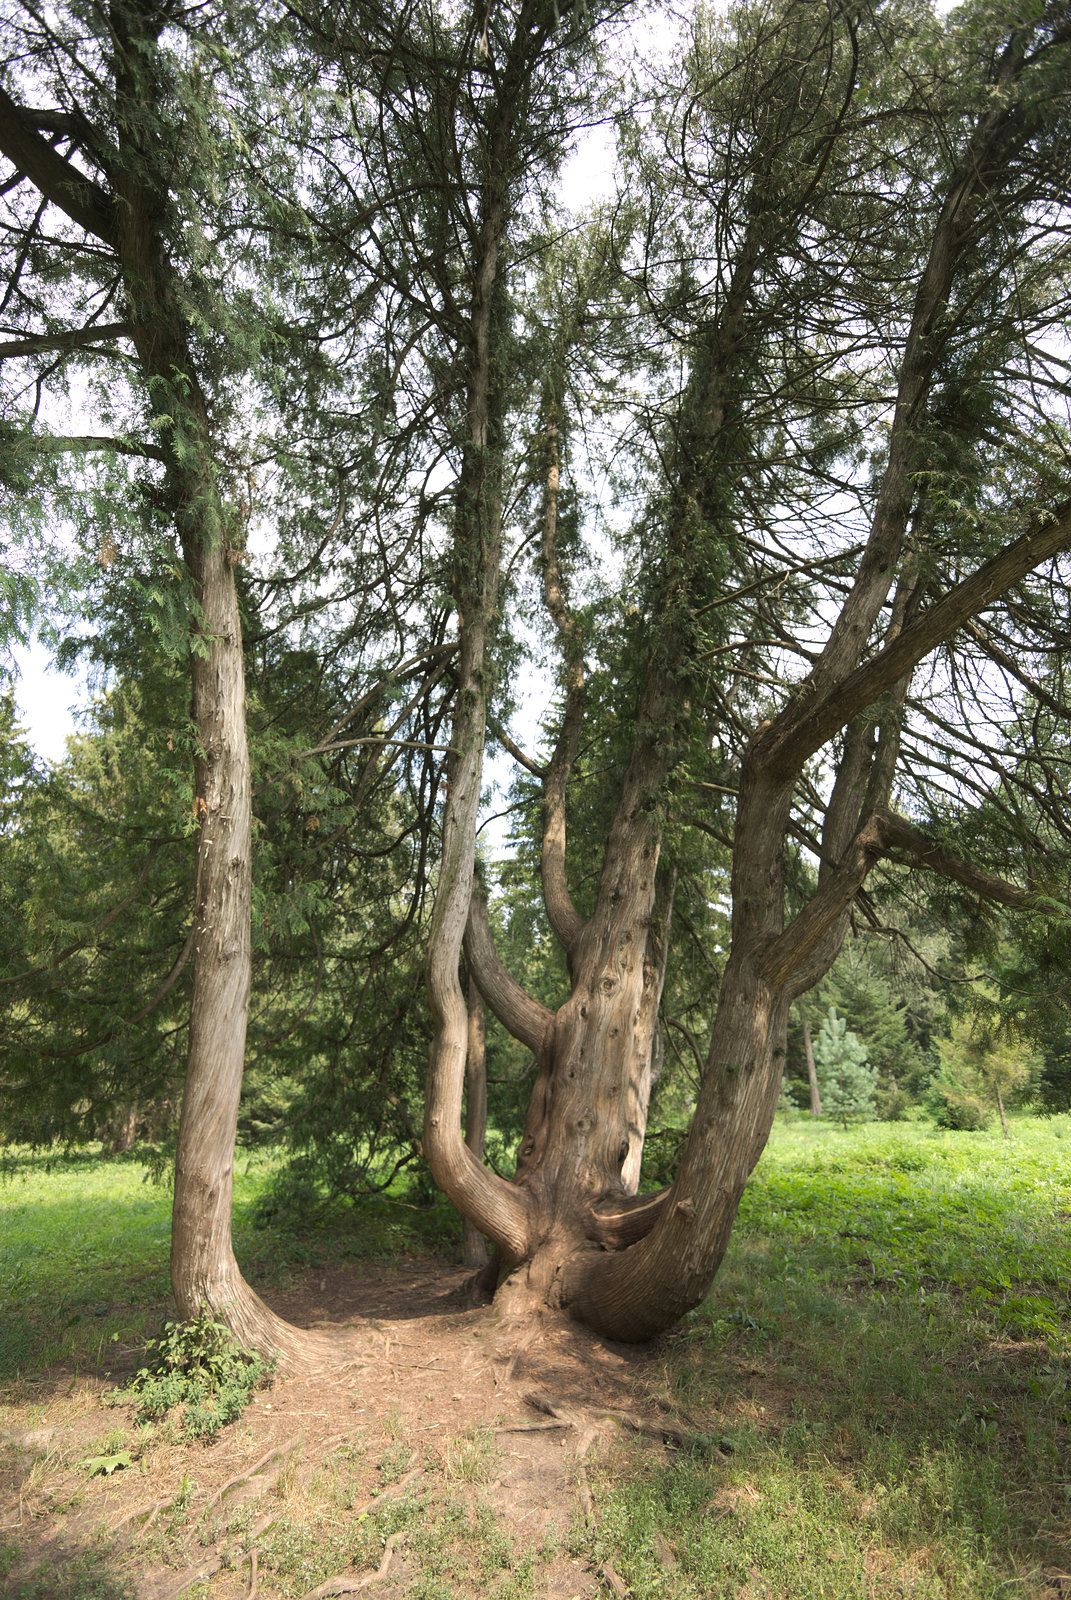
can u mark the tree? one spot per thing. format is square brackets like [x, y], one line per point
[95, 905]
[794, 285]
[977, 1065]
[822, 329]
[96, 219]
[893, 1016]
[845, 1077]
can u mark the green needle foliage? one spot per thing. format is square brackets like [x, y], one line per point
[846, 1080]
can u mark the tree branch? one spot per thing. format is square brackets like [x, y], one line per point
[85, 444]
[881, 833]
[817, 723]
[514, 750]
[526, 1019]
[56, 178]
[788, 952]
[65, 341]
[899, 834]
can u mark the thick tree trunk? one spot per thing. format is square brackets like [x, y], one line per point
[204, 1272]
[578, 1164]
[123, 1131]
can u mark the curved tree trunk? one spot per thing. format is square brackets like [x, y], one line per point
[473, 1246]
[568, 1230]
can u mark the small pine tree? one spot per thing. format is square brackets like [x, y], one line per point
[846, 1081]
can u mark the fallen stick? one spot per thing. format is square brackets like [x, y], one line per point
[533, 1427]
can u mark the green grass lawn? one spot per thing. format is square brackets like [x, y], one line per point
[84, 1247]
[878, 1383]
[886, 1357]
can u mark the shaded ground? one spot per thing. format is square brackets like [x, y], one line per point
[874, 1402]
[431, 1417]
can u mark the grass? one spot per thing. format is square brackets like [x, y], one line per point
[84, 1251]
[886, 1352]
[880, 1384]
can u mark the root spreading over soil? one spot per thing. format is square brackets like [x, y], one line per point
[434, 1416]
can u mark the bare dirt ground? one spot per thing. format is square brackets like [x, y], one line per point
[432, 1408]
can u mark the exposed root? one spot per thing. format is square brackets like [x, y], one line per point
[169, 1588]
[616, 1582]
[666, 1432]
[277, 1452]
[479, 1290]
[145, 1515]
[343, 1585]
[532, 1427]
[388, 1494]
[587, 1443]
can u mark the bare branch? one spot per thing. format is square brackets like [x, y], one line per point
[74, 340]
[56, 178]
[526, 1019]
[900, 834]
[85, 444]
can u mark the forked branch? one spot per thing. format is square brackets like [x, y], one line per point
[814, 725]
[57, 179]
[883, 833]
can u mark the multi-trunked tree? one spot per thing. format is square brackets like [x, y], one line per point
[823, 321]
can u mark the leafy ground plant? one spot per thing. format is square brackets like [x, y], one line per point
[199, 1371]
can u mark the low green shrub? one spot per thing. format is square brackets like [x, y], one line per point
[199, 1370]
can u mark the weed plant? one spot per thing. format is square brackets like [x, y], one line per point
[198, 1371]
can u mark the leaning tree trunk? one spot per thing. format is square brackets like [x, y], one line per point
[812, 1072]
[473, 1245]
